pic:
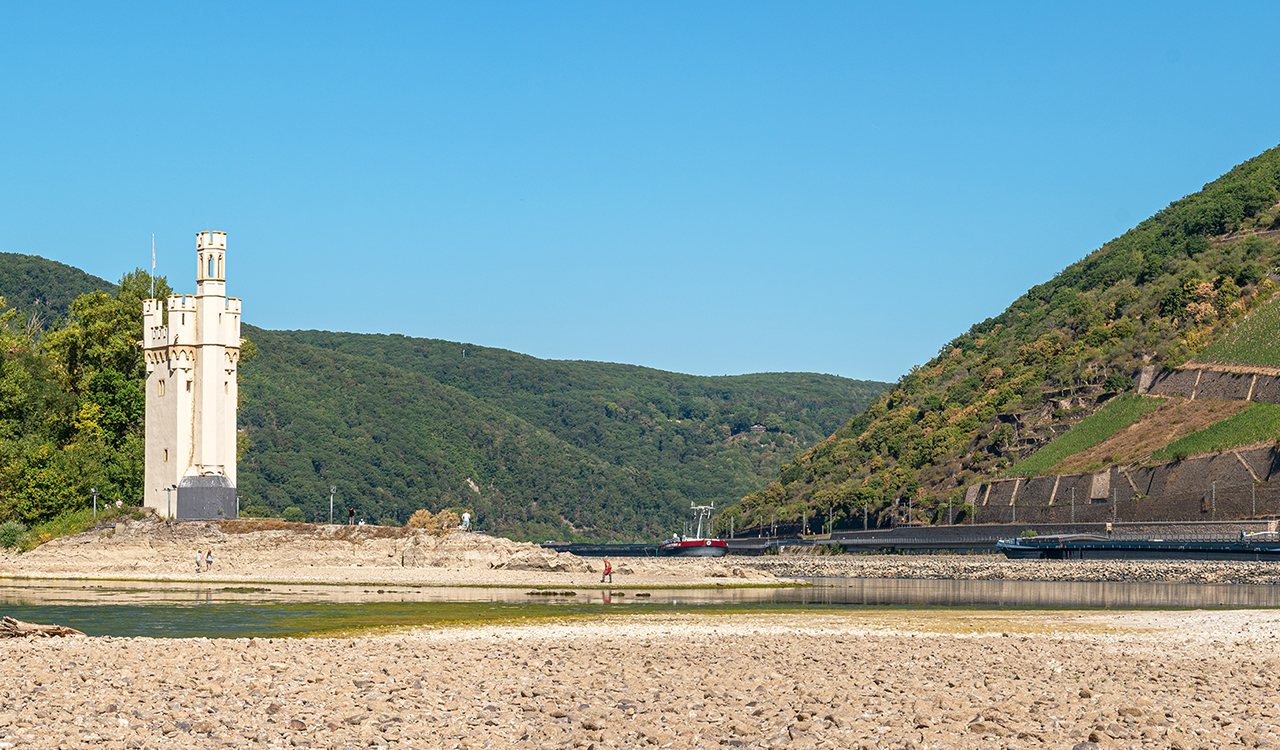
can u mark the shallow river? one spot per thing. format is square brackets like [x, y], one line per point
[182, 610]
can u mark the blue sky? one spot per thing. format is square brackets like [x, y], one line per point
[702, 187]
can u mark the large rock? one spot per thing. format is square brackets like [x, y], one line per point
[477, 551]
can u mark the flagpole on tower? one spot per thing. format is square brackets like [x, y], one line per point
[153, 265]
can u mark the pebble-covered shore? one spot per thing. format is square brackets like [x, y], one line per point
[858, 680]
[998, 568]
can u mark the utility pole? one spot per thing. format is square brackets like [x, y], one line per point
[1115, 507]
[1214, 487]
[1073, 505]
[94, 491]
[1253, 491]
[331, 491]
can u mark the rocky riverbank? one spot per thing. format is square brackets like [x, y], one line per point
[301, 553]
[937, 679]
[998, 568]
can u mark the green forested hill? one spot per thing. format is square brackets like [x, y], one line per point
[555, 449]
[536, 449]
[395, 441]
[44, 287]
[1158, 294]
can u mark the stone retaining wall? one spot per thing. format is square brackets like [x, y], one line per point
[1225, 386]
[1231, 503]
[1176, 491]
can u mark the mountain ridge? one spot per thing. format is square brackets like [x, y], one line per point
[535, 448]
[1158, 294]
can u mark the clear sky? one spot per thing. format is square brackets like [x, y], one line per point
[706, 187]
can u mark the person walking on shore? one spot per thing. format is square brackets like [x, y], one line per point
[208, 560]
[199, 561]
[608, 571]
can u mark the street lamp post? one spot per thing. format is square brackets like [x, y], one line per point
[331, 491]
[94, 491]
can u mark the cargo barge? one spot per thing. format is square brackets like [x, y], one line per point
[1261, 545]
[695, 545]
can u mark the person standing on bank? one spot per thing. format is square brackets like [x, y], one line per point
[351, 516]
[199, 561]
[608, 571]
[208, 560]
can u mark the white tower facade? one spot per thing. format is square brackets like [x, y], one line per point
[192, 364]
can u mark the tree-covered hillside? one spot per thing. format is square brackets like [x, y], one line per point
[554, 449]
[71, 401]
[1158, 294]
[394, 441]
[45, 288]
[535, 449]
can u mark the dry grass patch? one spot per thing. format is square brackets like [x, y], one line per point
[250, 525]
[1176, 418]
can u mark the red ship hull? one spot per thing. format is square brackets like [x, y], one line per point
[694, 548]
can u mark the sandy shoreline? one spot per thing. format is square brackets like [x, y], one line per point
[155, 551]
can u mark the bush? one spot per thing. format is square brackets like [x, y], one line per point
[256, 511]
[293, 513]
[421, 519]
[1116, 382]
[12, 534]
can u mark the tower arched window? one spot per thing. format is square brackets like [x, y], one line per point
[211, 266]
[220, 271]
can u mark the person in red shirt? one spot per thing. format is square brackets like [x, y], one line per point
[608, 571]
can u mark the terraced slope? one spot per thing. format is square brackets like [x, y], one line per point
[1255, 341]
[1117, 414]
[1256, 424]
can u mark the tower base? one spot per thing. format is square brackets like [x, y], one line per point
[206, 497]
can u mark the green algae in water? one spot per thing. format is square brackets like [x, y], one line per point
[239, 620]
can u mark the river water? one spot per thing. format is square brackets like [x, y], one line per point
[183, 610]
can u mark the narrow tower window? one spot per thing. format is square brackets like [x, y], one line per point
[210, 266]
[160, 388]
[188, 386]
[166, 455]
[220, 271]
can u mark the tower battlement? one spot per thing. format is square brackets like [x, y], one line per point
[180, 303]
[211, 240]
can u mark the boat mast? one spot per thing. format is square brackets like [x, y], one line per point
[702, 511]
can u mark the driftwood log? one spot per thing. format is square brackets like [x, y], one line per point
[11, 628]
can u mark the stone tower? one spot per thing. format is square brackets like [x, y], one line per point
[191, 392]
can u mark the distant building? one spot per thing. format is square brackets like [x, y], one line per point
[191, 392]
[757, 427]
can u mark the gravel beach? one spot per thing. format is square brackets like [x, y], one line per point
[866, 678]
[999, 568]
[886, 679]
